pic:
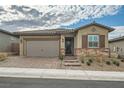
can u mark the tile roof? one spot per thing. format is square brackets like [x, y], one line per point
[59, 30]
[46, 32]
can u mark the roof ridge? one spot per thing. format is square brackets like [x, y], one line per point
[95, 23]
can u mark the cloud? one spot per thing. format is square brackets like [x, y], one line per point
[40, 17]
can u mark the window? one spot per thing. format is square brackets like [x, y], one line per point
[93, 41]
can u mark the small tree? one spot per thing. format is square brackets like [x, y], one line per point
[61, 57]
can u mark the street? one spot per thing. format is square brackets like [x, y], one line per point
[6, 82]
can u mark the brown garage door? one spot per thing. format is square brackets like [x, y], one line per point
[43, 48]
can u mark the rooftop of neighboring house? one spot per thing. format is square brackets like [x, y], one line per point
[117, 39]
[8, 33]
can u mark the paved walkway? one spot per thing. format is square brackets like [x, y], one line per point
[61, 74]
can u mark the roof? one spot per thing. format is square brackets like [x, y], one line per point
[45, 32]
[96, 24]
[59, 31]
[8, 33]
[117, 39]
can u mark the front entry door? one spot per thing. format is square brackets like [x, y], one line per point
[69, 46]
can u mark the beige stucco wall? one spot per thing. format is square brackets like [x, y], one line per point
[6, 41]
[62, 43]
[77, 39]
[119, 44]
[88, 30]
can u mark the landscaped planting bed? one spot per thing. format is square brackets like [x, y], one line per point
[102, 63]
[3, 56]
[99, 63]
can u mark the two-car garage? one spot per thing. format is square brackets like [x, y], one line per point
[43, 48]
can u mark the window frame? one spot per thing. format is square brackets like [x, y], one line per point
[98, 41]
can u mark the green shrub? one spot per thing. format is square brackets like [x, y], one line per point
[82, 61]
[117, 64]
[61, 57]
[122, 60]
[90, 60]
[108, 62]
[88, 63]
[114, 62]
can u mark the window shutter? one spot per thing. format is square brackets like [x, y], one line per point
[84, 41]
[102, 41]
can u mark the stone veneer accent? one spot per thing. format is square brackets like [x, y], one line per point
[92, 52]
[62, 51]
[78, 51]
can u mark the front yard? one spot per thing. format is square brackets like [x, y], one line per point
[55, 63]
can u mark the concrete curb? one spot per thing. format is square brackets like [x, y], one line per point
[61, 74]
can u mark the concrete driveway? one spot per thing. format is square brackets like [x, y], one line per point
[31, 62]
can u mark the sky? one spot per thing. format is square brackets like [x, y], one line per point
[21, 18]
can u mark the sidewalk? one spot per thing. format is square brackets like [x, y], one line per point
[61, 74]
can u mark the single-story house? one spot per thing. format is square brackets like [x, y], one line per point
[8, 41]
[117, 45]
[68, 42]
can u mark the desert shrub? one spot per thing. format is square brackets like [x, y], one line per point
[3, 56]
[61, 57]
[88, 63]
[81, 59]
[117, 64]
[108, 62]
[122, 60]
[114, 62]
[90, 60]
[119, 57]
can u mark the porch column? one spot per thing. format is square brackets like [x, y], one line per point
[78, 42]
[62, 45]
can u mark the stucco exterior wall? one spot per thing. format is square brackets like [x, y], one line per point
[120, 44]
[77, 39]
[88, 31]
[62, 45]
[6, 41]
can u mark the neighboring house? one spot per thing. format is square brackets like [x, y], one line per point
[51, 43]
[117, 45]
[7, 40]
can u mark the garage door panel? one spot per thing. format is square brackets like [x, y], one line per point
[43, 48]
